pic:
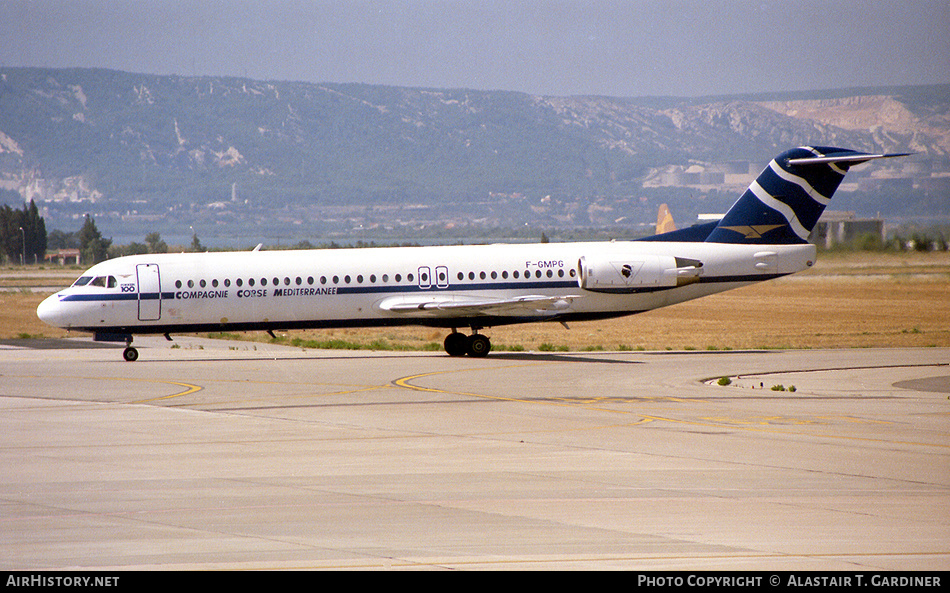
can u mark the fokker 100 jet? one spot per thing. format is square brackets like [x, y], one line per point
[764, 235]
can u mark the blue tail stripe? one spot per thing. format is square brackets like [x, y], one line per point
[806, 209]
[823, 179]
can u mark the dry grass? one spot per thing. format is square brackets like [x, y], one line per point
[847, 301]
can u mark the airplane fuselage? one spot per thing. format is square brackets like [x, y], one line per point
[270, 290]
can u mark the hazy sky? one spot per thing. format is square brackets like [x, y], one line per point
[550, 47]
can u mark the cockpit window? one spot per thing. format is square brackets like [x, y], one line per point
[82, 281]
[102, 281]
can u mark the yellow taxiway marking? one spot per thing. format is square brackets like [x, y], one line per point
[189, 389]
[756, 426]
[211, 405]
[404, 382]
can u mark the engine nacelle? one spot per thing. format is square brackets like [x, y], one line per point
[624, 273]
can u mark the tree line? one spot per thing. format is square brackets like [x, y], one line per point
[22, 234]
[24, 239]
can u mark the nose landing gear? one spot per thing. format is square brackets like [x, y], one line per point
[130, 354]
[475, 345]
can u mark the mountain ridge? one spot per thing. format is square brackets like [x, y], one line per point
[221, 149]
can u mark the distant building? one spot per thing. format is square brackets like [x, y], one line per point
[835, 227]
[63, 255]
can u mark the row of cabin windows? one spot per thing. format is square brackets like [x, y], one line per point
[372, 278]
[516, 274]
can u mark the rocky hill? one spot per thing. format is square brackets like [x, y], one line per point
[142, 151]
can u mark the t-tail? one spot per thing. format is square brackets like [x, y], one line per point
[783, 204]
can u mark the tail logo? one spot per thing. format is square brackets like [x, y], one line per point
[754, 232]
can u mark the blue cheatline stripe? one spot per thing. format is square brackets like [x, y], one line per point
[739, 278]
[131, 296]
[456, 287]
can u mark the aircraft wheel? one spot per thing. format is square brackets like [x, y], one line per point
[455, 344]
[130, 354]
[478, 345]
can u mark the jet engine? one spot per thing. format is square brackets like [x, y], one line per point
[625, 273]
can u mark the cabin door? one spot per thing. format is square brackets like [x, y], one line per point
[150, 292]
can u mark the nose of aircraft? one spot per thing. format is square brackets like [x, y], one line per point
[50, 311]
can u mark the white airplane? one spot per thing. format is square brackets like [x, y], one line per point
[763, 236]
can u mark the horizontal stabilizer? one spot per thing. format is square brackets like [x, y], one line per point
[851, 159]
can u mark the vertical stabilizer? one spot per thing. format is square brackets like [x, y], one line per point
[783, 204]
[664, 220]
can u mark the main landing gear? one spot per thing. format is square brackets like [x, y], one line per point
[458, 344]
[130, 354]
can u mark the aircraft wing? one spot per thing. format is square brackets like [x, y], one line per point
[519, 306]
